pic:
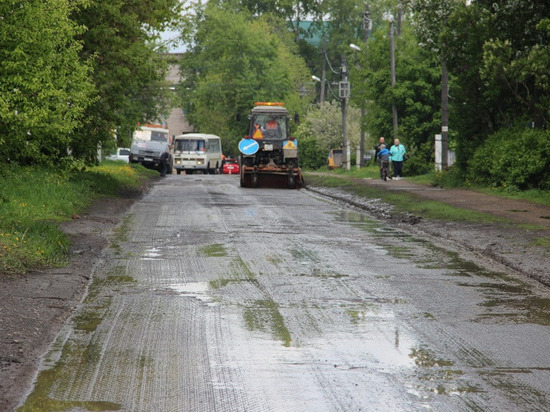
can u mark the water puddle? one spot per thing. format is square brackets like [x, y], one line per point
[196, 290]
[505, 299]
[152, 254]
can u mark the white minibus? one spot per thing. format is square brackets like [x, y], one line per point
[197, 152]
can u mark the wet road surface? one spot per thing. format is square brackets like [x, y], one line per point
[218, 298]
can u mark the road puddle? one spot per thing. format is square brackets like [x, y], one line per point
[196, 290]
[151, 254]
[505, 299]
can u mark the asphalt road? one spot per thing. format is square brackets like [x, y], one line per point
[218, 298]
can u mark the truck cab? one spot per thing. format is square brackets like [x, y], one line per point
[148, 143]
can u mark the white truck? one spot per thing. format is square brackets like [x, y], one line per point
[148, 143]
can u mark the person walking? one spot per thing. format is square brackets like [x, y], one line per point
[397, 152]
[164, 162]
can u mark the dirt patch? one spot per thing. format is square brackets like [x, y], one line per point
[34, 307]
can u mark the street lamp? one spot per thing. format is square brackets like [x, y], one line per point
[355, 47]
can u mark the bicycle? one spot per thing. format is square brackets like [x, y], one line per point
[385, 169]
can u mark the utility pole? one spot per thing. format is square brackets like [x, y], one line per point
[324, 71]
[392, 63]
[344, 95]
[366, 31]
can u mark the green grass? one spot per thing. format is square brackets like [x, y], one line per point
[33, 201]
[451, 180]
[534, 195]
[370, 172]
[543, 242]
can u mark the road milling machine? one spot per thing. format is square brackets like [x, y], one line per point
[269, 155]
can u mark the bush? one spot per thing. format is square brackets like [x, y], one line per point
[311, 156]
[449, 178]
[513, 159]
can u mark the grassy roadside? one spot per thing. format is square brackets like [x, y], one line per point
[449, 181]
[33, 201]
[533, 195]
[401, 201]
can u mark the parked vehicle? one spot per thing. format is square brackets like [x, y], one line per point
[122, 153]
[231, 166]
[269, 154]
[149, 142]
[197, 152]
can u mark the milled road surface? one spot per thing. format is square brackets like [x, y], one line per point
[217, 298]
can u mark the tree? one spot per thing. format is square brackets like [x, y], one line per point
[237, 60]
[128, 67]
[324, 123]
[44, 85]
[415, 94]
[495, 52]
[431, 18]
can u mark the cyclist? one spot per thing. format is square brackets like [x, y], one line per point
[384, 158]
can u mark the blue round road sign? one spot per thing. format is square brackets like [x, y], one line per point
[248, 146]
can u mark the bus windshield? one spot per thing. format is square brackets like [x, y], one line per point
[190, 145]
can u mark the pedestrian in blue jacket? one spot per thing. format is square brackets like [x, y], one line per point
[384, 159]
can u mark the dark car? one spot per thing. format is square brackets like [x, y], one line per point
[231, 166]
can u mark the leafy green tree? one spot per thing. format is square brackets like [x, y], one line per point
[128, 68]
[495, 53]
[416, 95]
[324, 123]
[237, 60]
[44, 85]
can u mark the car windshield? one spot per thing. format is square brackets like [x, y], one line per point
[190, 145]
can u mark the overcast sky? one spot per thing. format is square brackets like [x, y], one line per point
[168, 37]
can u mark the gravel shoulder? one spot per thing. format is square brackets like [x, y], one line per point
[35, 306]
